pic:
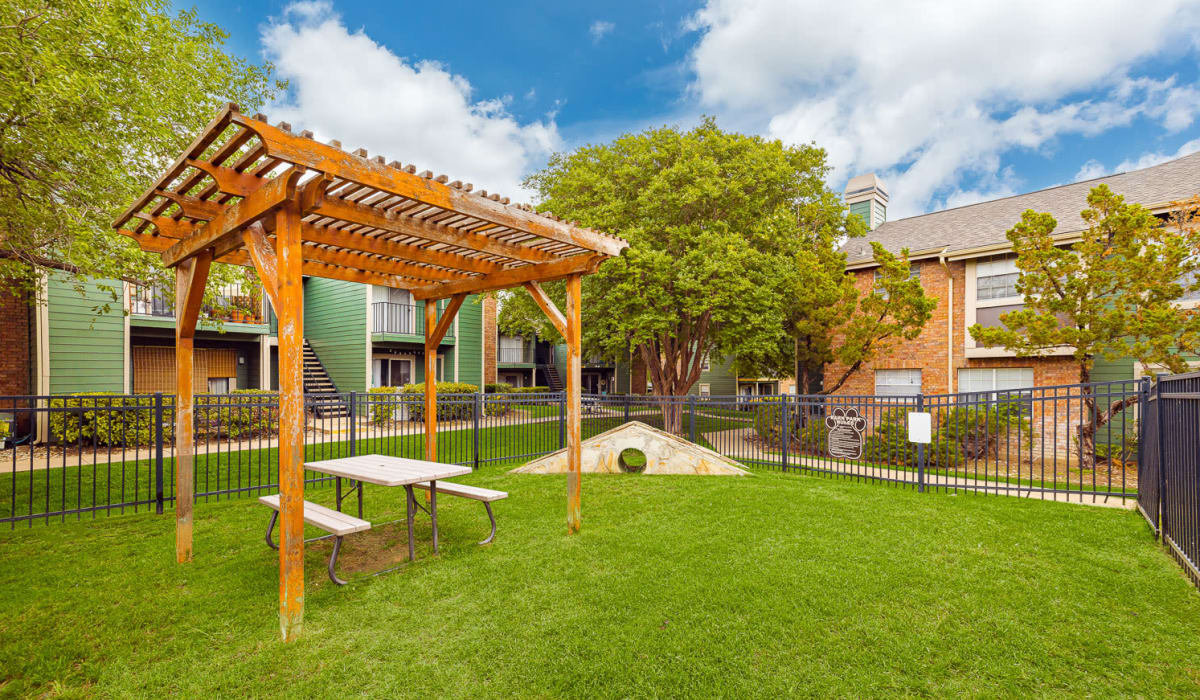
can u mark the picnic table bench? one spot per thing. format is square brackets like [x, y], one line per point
[336, 523]
[475, 493]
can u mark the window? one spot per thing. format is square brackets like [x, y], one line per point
[391, 295]
[996, 278]
[704, 364]
[897, 382]
[512, 349]
[914, 273]
[706, 390]
[218, 385]
[388, 372]
[985, 383]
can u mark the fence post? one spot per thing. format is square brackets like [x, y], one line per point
[562, 420]
[475, 433]
[920, 451]
[158, 453]
[354, 419]
[785, 429]
[627, 400]
[692, 418]
[1161, 514]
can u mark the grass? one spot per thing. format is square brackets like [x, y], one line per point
[677, 586]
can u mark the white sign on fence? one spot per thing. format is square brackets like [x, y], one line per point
[920, 427]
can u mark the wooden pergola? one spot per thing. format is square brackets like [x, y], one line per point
[248, 193]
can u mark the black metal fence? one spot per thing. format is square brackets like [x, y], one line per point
[1170, 494]
[105, 453]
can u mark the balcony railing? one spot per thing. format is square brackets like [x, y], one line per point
[408, 319]
[230, 303]
[515, 355]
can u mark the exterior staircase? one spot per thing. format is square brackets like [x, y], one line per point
[320, 395]
[553, 379]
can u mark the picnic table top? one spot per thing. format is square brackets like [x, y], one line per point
[387, 471]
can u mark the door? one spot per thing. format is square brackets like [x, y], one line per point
[391, 372]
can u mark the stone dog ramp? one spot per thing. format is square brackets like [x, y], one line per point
[665, 454]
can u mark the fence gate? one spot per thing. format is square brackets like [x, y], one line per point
[1169, 496]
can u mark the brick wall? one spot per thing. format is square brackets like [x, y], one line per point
[17, 335]
[928, 351]
[489, 339]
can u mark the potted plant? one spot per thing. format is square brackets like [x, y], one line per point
[5, 432]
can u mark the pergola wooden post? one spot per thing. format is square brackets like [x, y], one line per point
[435, 331]
[189, 291]
[574, 409]
[248, 193]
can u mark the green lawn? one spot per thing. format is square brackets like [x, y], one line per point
[677, 586]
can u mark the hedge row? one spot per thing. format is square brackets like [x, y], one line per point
[109, 419]
[384, 411]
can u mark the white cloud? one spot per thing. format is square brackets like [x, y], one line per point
[928, 96]
[600, 29]
[1094, 168]
[346, 86]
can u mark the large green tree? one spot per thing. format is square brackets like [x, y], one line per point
[715, 221]
[1114, 293]
[96, 98]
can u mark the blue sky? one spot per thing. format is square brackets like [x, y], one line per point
[949, 108]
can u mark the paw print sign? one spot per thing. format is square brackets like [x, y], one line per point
[846, 429]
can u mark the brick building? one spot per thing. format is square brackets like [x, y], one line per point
[963, 258]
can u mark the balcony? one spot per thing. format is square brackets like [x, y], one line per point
[400, 319]
[515, 356]
[230, 304]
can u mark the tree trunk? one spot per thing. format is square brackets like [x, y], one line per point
[673, 362]
[1085, 442]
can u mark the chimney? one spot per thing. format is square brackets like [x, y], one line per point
[866, 197]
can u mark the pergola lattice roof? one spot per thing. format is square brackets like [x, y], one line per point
[363, 219]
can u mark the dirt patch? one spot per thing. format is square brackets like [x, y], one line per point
[370, 552]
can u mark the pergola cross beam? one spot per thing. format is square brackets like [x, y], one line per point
[247, 193]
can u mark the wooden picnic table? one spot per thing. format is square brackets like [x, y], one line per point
[383, 470]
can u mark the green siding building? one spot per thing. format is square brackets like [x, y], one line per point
[87, 339]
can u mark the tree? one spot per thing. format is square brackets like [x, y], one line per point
[713, 226]
[1113, 293]
[832, 322]
[97, 97]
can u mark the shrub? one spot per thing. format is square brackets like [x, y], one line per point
[457, 410]
[532, 390]
[498, 388]
[977, 429]
[889, 444]
[382, 409]
[768, 419]
[814, 435]
[239, 414]
[5, 430]
[105, 418]
[1115, 451]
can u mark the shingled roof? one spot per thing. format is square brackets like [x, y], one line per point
[978, 225]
